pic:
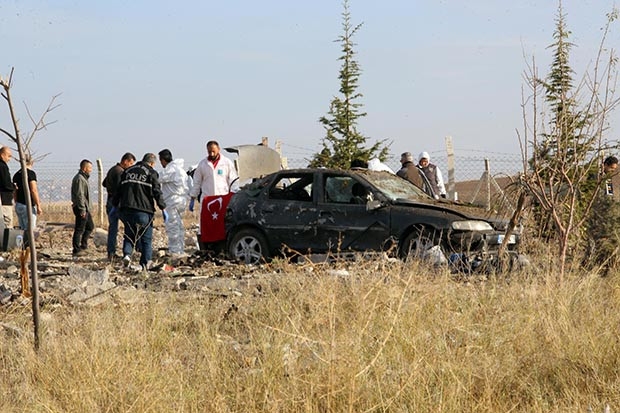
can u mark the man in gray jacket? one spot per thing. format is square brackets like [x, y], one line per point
[80, 202]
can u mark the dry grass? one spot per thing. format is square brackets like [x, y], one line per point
[383, 338]
[60, 212]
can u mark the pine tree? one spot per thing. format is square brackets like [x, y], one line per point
[343, 142]
[565, 143]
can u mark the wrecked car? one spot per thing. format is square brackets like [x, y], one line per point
[310, 211]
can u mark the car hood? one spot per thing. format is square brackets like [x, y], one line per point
[466, 211]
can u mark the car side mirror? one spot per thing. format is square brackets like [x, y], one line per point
[373, 204]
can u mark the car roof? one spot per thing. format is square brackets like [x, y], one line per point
[331, 170]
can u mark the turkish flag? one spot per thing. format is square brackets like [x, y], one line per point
[212, 214]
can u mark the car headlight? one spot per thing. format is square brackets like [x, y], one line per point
[471, 226]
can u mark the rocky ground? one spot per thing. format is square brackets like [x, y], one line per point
[93, 279]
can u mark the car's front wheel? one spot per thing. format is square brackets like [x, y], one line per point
[249, 246]
[418, 244]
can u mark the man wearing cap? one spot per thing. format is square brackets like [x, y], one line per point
[409, 171]
[432, 174]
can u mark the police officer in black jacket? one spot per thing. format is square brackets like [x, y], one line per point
[138, 192]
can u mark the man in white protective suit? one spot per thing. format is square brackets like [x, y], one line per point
[173, 180]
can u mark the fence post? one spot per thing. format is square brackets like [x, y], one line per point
[484, 179]
[451, 178]
[100, 207]
[283, 160]
[487, 172]
[487, 175]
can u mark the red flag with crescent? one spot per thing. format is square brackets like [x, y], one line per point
[212, 214]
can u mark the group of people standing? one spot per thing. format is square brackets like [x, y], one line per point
[136, 189]
[433, 184]
[13, 194]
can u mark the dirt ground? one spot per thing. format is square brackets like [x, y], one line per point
[93, 278]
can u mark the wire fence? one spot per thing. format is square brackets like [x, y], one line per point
[469, 163]
[54, 179]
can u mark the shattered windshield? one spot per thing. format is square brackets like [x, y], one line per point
[256, 186]
[393, 186]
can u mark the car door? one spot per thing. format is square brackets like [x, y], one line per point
[289, 212]
[344, 221]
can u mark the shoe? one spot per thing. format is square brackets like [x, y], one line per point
[126, 261]
[80, 253]
[114, 257]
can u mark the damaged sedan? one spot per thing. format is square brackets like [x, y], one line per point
[310, 211]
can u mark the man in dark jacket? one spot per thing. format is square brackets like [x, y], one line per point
[6, 186]
[80, 202]
[137, 195]
[111, 183]
[409, 171]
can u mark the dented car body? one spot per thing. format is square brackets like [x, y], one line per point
[338, 211]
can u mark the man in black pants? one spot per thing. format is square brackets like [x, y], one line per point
[80, 200]
[6, 187]
[136, 197]
[111, 182]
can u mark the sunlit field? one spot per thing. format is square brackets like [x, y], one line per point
[366, 336]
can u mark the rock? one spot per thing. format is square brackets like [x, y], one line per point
[100, 237]
[88, 284]
[83, 275]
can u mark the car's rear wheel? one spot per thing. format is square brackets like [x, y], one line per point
[418, 244]
[249, 246]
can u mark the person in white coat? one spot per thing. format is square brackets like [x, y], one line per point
[433, 175]
[214, 175]
[376, 165]
[173, 180]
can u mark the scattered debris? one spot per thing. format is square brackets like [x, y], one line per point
[5, 295]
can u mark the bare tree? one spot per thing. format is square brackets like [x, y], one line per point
[23, 148]
[564, 127]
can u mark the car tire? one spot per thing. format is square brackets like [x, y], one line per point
[417, 244]
[249, 246]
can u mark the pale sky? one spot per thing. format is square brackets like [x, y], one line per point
[142, 75]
